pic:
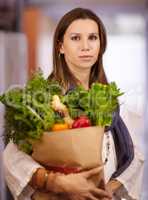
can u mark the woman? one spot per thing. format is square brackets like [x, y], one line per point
[79, 44]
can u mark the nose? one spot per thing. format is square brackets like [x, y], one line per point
[85, 46]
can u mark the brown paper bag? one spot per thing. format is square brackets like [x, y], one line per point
[71, 149]
[80, 148]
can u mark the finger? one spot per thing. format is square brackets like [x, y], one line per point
[92, 172]
[102, 184]
[101, 193]
[105, 198]
[91, 197]
[76, 197]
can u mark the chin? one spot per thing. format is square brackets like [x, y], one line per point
[87, 65]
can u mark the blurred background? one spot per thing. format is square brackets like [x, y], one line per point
[26, 35]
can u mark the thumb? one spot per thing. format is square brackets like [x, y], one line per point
[92, 172]
[102, 184]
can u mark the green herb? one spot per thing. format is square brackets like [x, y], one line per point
[28, 111]
[98, 103]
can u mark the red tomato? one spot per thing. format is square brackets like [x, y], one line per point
[82, 121]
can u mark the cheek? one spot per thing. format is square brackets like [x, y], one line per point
[71, 51]
[97, 49]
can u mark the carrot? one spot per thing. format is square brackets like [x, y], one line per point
[60, 126]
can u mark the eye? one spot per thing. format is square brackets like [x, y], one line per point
[75, 38]
[93, 37]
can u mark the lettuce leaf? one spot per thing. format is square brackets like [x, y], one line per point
[98, 103]
[28, 111]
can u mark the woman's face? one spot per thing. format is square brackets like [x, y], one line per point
[81, 44]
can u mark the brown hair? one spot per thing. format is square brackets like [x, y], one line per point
[61, 71]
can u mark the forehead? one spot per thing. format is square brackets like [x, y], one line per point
[83, 26]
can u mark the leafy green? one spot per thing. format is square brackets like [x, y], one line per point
[28, 110]
[98, 103]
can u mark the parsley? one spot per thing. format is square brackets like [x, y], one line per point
[28, 111]
[98, 103]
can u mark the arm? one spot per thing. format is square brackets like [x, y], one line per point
[21, 171]
[76, 186]
[18, 168]
[131, 178]
[129, 182]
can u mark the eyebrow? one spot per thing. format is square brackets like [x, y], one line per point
[80, 33]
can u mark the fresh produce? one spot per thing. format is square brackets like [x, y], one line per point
[41, 106]
[28, 111]
[58, 106]
[82, 121]
[98, 103]
[59, 127]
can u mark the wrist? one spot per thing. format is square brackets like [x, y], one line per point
[39, 179]
[52, 183]
[55, 183]
[114, 185]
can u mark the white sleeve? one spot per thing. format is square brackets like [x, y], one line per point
[18, 168]
[131, 178]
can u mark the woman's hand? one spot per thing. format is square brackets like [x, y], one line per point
[112, 186]
[77, 186]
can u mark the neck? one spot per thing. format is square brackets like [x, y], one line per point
[82, 75]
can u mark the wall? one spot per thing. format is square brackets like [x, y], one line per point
[13, 70]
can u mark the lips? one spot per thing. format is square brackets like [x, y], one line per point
[85, 56]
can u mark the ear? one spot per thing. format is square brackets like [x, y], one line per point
[61, 48]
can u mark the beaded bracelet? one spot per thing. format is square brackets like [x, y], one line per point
[50, 182]
[46, 179]
[41, 178]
